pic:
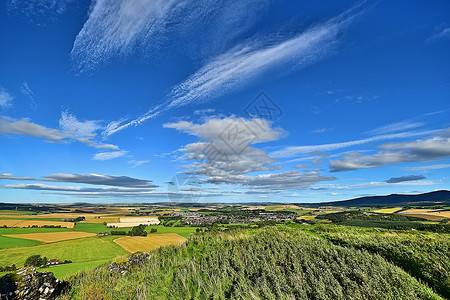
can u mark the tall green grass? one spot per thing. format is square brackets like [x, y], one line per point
[268, 264]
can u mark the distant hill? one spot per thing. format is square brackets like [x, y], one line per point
[426, 199]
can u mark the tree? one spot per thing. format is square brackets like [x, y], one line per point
[33, 260]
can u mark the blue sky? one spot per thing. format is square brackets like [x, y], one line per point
[226, 101]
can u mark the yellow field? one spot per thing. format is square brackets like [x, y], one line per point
[9, 223]
[101, 220]
[49, 237]
[429, 212]
[151, 242]
[388, 210]
[306, 217]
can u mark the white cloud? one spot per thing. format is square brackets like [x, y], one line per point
[5, 98]
[246, 62]
[39, 11]
[295, 150]
[137, 163]
[109, 155]
[115, 27]
[25, 127]
[395, 127]
[428, 149]
[216, 161]
[83, 131]
[78, 129]
[120, 28]
[26, 90]
[428, 168]
[443, 34]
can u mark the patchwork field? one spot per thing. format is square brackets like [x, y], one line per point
[428, 214]
[148, 243]
[30, 223]
[101, 220]
[131, 222]
[388, 210]
[50, 237]
[9, 242]
[79, 250]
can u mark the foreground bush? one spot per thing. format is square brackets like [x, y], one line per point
[266, 264]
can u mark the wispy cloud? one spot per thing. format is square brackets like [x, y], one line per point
[120, 28]
[109, 155]
[39, 11]
[427, 168]
[5, 98]
[443, 34]
[248, 61]
[83, 131]
[296, 150]
[138, 163]
[26, 90]
[427, 149]
[396, 127]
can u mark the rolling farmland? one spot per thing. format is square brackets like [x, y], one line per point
[49, 237]
[137, 243]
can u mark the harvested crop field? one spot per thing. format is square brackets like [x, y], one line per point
[428, 212]
[150, 242]
[427, 216]
[30, 223]
[9, 223]
[101, 220]
[49, 237]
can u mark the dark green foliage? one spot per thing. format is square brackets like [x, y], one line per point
[388, 221]
[153, 230]
[423, 255]
[263, 264]
[138, 231]
[117, 232]
[7, 268]
[33, 260]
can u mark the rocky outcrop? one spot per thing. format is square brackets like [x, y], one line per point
[30, 286]
[132, 261]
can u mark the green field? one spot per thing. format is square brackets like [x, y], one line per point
[62, 271]
[80, 250]
[9, 242]
[183, 231]
[30, 230]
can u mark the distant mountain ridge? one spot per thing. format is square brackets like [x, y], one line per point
[426, 199]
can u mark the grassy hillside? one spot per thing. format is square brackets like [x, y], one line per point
[260, 264]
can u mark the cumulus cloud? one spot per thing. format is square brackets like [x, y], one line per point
[226, 154]
[428, 149]
[109, 155]
[5, 98]
[25, 127]
[405, 178]
[246, 62]
[102, 179]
